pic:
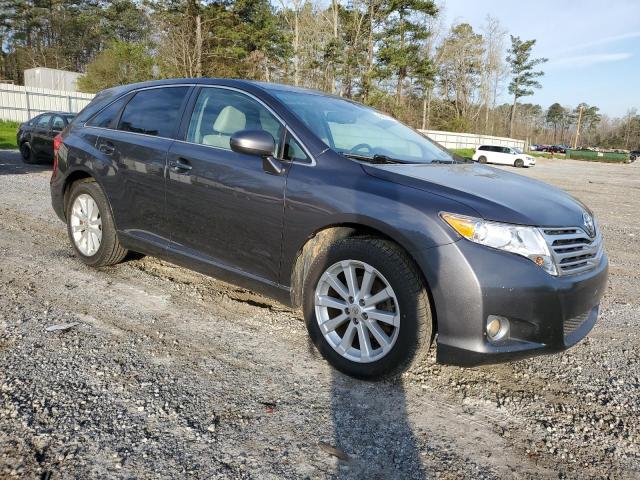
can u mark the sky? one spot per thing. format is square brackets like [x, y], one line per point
[593, 46]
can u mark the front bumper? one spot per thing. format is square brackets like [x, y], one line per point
[546, 314]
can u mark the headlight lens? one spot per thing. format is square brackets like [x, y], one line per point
[521, 240]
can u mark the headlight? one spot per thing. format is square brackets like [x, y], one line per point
[521, 240]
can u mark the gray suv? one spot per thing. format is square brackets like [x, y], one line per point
[384, 239]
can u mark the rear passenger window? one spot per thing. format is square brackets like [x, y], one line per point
[43, 121]
[483, 147]
[107, 117]
[154, 111]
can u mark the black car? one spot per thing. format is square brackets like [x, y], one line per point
[35, 137]
[382, 237]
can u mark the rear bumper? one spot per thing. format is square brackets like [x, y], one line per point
[546, 314]
[57, 195]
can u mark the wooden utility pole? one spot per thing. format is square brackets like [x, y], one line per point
[575, 141]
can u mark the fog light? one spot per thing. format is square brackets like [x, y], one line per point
[497, 328]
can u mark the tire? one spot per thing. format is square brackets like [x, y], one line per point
[519, 163]
[108, 251]
[411, 339]
[27, 153]
[482, 159]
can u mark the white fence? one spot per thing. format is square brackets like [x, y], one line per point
[22, 103]
[471, 140]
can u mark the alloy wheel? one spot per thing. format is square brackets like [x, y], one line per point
[86, 224]
[357, 311]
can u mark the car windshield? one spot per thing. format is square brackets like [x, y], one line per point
[517, 150]
[359, 132]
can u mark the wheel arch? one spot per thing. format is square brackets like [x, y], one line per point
[331, 233]
[70, 180]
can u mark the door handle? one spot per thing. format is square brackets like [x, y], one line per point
[107, 148]
[181, 165]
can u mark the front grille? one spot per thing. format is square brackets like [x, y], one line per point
[573, 250]
[572, 324]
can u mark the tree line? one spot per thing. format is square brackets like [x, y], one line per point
[396, 55]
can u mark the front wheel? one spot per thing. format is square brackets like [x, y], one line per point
[366, 308]
[482, 159]
[519, 163]
[90, 226]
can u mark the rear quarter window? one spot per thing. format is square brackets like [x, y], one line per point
[109, 116]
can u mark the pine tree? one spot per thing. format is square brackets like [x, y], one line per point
[401, 39]
[524, 76]
[555, 114]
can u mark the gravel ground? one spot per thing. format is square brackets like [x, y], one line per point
[170, 374]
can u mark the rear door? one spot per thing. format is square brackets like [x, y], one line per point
[135, 152]
[40, 135]
[224, 209]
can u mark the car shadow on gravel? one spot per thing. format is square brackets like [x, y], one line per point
[372, 433]
[11, 164]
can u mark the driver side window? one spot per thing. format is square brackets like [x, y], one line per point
[219, 113]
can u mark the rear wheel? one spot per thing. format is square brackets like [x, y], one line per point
[482, 159]
[90, 226]
[27, 154]
[366, 308]
[519, 163]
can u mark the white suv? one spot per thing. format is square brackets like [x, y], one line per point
[503, 156]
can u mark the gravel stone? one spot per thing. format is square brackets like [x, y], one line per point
[170, 374]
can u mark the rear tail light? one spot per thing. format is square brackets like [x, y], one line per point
[57, 141]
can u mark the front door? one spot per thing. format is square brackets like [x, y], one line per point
[223, 208]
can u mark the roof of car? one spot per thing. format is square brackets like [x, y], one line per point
[266, 86]
[54, 112]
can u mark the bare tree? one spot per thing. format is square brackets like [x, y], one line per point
[292, 17]
[495, 70]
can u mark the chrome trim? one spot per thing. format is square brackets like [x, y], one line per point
[124, 95]
[278, 117]
[282, 122]
[573, 250]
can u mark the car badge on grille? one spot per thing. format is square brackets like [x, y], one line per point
[589, 226]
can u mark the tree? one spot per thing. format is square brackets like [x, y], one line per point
[494, 69]
[403, 32]
[260, 36]
[120, 63]
[523, 72]
[554, 117]
[461, 60]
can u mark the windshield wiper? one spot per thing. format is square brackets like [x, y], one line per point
[377, 159]
[442, 162]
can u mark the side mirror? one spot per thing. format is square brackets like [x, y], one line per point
[253, 142]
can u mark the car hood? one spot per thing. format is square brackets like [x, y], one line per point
[495, 194]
